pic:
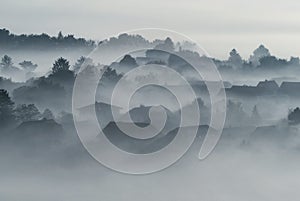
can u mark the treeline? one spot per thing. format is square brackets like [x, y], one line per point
[261, 58]
[10, 113]
[37, 98]
[10, 41]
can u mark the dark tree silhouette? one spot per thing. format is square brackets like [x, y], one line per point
[110, 75]
[272, 62]
[60, 64]
[62, 75]
[60, 36]
[27, 112]
[6, 104]
[294, 116]
[9, 41]
[6, 108]
[6, 62]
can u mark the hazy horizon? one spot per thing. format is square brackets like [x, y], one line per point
[216, 25]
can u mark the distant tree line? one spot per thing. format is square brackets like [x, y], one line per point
[260, 59]
[9, 41]
[7, 63]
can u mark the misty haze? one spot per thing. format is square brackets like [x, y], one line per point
[42, 157]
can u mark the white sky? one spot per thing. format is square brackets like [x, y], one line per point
[217, 25]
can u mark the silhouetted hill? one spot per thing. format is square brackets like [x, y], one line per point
[142, 146]
[125, 142]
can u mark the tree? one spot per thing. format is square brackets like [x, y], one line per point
[6, 104]
[272, 62]
[6, 62]
[259, 53]
[294, 61]
[294, 116]
[6, 108]
[167, 45]
[110, 75]
[47, 114]
[235, 59]
[28, 65]
[27, 112]
[60, 36]
[82, 60]
[60, 64]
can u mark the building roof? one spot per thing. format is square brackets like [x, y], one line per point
[269, 84]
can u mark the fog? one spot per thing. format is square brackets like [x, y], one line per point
[230, 173]
[43, 156]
